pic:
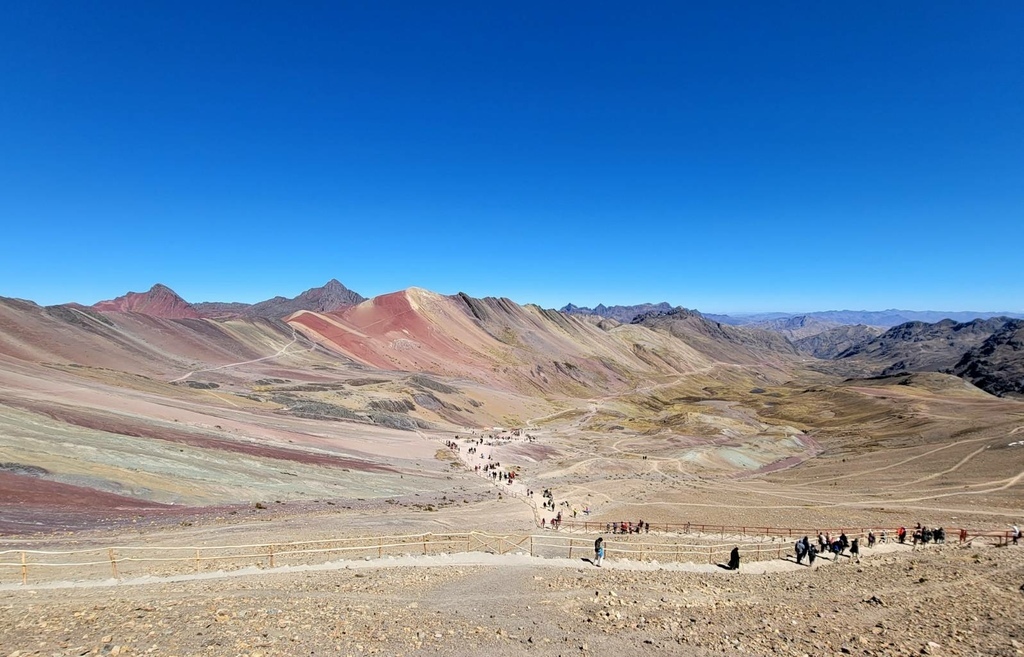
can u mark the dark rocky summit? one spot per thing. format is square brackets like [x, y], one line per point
[997, 365]
[623, 314]
[332, 296]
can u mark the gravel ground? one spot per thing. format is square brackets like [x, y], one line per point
[944, 600]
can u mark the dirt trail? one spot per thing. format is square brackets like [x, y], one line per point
[283, 351]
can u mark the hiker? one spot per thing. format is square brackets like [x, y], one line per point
[837, 549]
[812, 554]
[844, 540]
[901, 534]
[855, 550]
[963, 535]
[734, 559]
[598, 551]
[871, 539]
[822, 544]
[799, 547]
[1015, 534]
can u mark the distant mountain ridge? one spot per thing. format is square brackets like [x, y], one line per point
[623, 314]
[883, 318]
[332, 296]
[162, 301]
[986, 352]
[834, 341]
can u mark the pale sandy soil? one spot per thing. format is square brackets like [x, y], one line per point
[943, 600]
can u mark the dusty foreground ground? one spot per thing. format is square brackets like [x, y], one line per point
[944, 600]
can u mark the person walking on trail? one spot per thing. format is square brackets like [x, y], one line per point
[799, 548]
[734, 559]
[855, 550]
[1015, 534]
[598, 551]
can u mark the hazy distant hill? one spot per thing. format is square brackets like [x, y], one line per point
[997, 365]
[795, 328]
[885, 318]
[834, 341]
[623, 314]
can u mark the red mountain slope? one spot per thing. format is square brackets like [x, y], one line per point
[159, 301]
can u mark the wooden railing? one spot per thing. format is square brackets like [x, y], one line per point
[120, 562]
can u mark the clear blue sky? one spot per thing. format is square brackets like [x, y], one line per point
[733, 157]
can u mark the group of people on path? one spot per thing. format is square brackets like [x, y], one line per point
[827, 545]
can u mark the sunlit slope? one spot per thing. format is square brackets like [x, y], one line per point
[499, 342]
[139, 343]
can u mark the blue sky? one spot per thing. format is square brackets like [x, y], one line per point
[733, 157]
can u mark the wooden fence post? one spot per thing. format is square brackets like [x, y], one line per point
[113, 562]
[711, 559]
[426, 537]
[570, 548]
[531, 545]
[380, 547]
[197, 560]
[271, 549]
[24, 569]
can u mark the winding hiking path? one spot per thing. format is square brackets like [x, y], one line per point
[283, 351]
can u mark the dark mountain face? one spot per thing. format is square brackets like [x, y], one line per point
[623, 314]
[997, 365]
[921, 347]
[328, 298]
[829, 344]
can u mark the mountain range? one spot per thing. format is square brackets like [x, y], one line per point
[789, 321]
[162, 301]
[522, 348]
[148, 396]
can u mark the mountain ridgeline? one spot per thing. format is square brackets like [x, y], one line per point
[985, 349]
[162, 301]
[497, 342]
